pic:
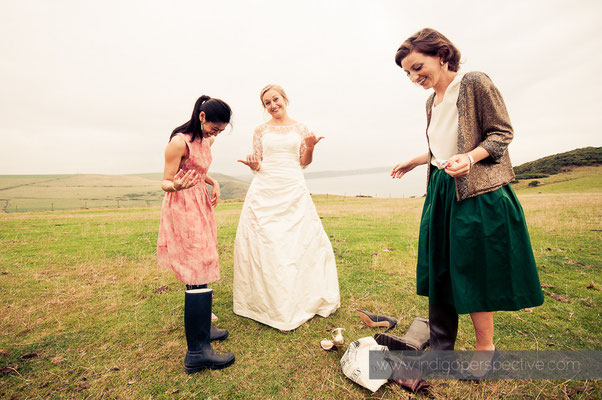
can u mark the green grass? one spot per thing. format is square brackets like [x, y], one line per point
[579, 179]
[20, 193]
[79, 289]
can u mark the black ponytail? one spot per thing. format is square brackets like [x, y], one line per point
[215, 110]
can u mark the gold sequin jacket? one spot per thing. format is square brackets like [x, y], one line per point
[482, 121]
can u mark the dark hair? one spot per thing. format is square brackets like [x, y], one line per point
[215, 110]
[431, 43]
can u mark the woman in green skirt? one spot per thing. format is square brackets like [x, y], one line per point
[474, 252]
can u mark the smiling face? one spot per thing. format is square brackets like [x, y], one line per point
[275, 103]
[423, 70]
[211, 128]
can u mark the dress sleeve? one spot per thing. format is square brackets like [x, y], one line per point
[258, 143]
[494, 120]
[304, 132]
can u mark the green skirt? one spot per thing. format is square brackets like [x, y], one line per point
[475, 254]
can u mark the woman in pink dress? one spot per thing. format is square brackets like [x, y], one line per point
[187, 233]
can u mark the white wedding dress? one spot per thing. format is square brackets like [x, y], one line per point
[284, 266]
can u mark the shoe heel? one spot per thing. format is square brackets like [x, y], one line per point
[374, 320]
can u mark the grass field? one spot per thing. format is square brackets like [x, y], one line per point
[88, 314]
[20, 193]
[579, 179]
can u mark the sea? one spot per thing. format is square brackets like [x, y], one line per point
[413, 184]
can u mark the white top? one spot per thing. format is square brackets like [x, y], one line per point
[443, 128]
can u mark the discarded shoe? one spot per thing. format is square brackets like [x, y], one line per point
[338, 340]
[416, 338]
[374, 320]
[412, 385]
[327, 345]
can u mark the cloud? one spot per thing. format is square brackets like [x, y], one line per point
[98, 86]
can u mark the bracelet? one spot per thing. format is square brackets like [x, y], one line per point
[173, 185]
[471, 158]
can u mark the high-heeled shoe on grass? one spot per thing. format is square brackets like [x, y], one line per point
[376, 320]
[337, 340]
[337, 337]
[327, 345]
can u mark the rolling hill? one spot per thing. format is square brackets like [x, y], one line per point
[579, 170]
[575, 180]
[54, 192]
[562, 162]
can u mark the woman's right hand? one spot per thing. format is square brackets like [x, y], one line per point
[252, 161]
[402, 168]
[184, 180]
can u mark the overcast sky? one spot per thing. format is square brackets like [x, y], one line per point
[98, 86]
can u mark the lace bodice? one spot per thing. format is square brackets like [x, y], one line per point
[261, 148]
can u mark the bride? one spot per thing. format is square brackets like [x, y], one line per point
[284, 267]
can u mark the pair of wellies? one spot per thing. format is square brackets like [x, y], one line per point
[200, 332]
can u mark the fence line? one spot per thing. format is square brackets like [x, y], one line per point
[19, 206]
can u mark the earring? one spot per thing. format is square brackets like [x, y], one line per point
[441, 63]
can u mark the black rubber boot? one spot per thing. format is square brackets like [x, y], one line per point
[443, 323]
[416, 338]
[197, 321]
[215, 333]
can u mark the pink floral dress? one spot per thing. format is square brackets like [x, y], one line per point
[187, 233]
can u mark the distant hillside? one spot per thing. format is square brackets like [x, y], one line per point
[577, 180]
[232, 188]
[54, 192]
[562, 162]
[158, 176]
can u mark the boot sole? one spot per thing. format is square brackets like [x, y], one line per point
[192, 370]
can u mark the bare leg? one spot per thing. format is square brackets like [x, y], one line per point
[483, 328]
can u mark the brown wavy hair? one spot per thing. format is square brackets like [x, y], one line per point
[431, 43]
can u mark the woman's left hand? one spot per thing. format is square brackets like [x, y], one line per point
[215, 193]
[311, 140]
[458, 166]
